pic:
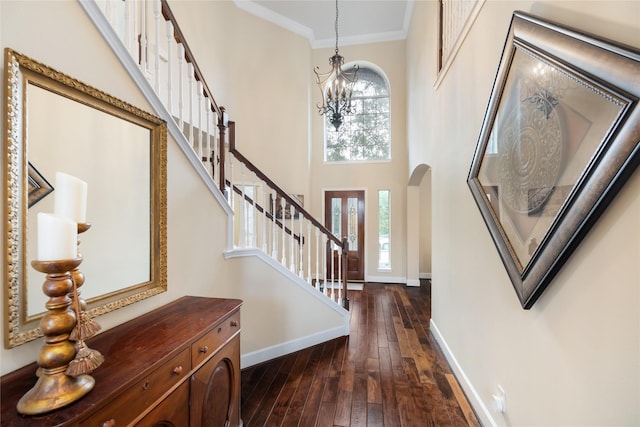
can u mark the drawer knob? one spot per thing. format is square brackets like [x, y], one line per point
[204, 349]
[177, 370]
[146, 385]
[109, 423]
[234, 323]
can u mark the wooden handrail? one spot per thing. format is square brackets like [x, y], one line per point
[179, 36]
[270, 183]
[268, 214]
[177, 32]
[223, 129]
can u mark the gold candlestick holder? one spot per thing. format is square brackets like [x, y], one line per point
[54, 388]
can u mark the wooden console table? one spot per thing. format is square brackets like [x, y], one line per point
[177, 365]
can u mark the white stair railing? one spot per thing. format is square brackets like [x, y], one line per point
[288, 233]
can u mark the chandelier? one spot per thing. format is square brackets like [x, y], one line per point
[336, 86]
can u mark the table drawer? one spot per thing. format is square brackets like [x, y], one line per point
[212, 340]
[143, 394]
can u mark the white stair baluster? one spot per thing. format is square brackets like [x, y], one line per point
[340, 266]
[292, 241]
[191, 78]
[264, 217]
[108, 13]
[170, 42]
[200, 127]
[208, 156]
[143, 37]
[317, 284]
[284, 235]
[156, 14]
[254, 222]
[129, 26]
[300, 247]
[333, 258]
[274, 240]
[231, 191]
[324, 263]
[243, 206]
[308, 246]
[181, 80]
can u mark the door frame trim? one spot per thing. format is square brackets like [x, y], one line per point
[366, 216]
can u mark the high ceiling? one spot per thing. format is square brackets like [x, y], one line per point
[360, 21]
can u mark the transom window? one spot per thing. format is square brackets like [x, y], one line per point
[364, 135]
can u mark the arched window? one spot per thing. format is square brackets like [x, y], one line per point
[364, 135]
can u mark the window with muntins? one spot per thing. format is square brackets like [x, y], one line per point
[364, 135]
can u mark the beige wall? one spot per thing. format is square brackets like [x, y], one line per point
[262, 75]
[59, 34]
[370, 177]
[574, 358]
[570, 360]
[424, 219]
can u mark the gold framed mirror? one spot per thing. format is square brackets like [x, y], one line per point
[57, 123]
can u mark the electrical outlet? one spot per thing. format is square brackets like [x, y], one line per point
[500, 400]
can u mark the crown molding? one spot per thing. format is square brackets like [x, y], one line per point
[262, 12]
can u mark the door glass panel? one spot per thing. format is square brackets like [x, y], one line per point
[336, 217]
[352, 207]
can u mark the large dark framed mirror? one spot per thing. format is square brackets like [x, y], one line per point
[57, 123]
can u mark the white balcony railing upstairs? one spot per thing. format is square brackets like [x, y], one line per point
[265, 218]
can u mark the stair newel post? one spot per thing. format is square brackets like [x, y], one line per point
[345, 254]
[221, 149]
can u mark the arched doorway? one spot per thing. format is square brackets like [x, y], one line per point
[419, 225]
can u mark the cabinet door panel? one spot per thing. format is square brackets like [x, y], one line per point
[215, 389]
[172, 412]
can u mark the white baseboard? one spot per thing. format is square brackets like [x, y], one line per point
[268, 353]
[424, 275]
[472, 395]
[413, 282]
[386, 279]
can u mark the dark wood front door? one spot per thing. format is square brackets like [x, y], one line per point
[344, 216]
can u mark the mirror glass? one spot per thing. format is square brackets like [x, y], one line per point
[56, 123]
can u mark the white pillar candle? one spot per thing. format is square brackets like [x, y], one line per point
[70, 197]
[57, 237]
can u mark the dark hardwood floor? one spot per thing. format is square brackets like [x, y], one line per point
[388, 372]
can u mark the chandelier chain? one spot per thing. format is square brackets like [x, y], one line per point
[336, 26]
